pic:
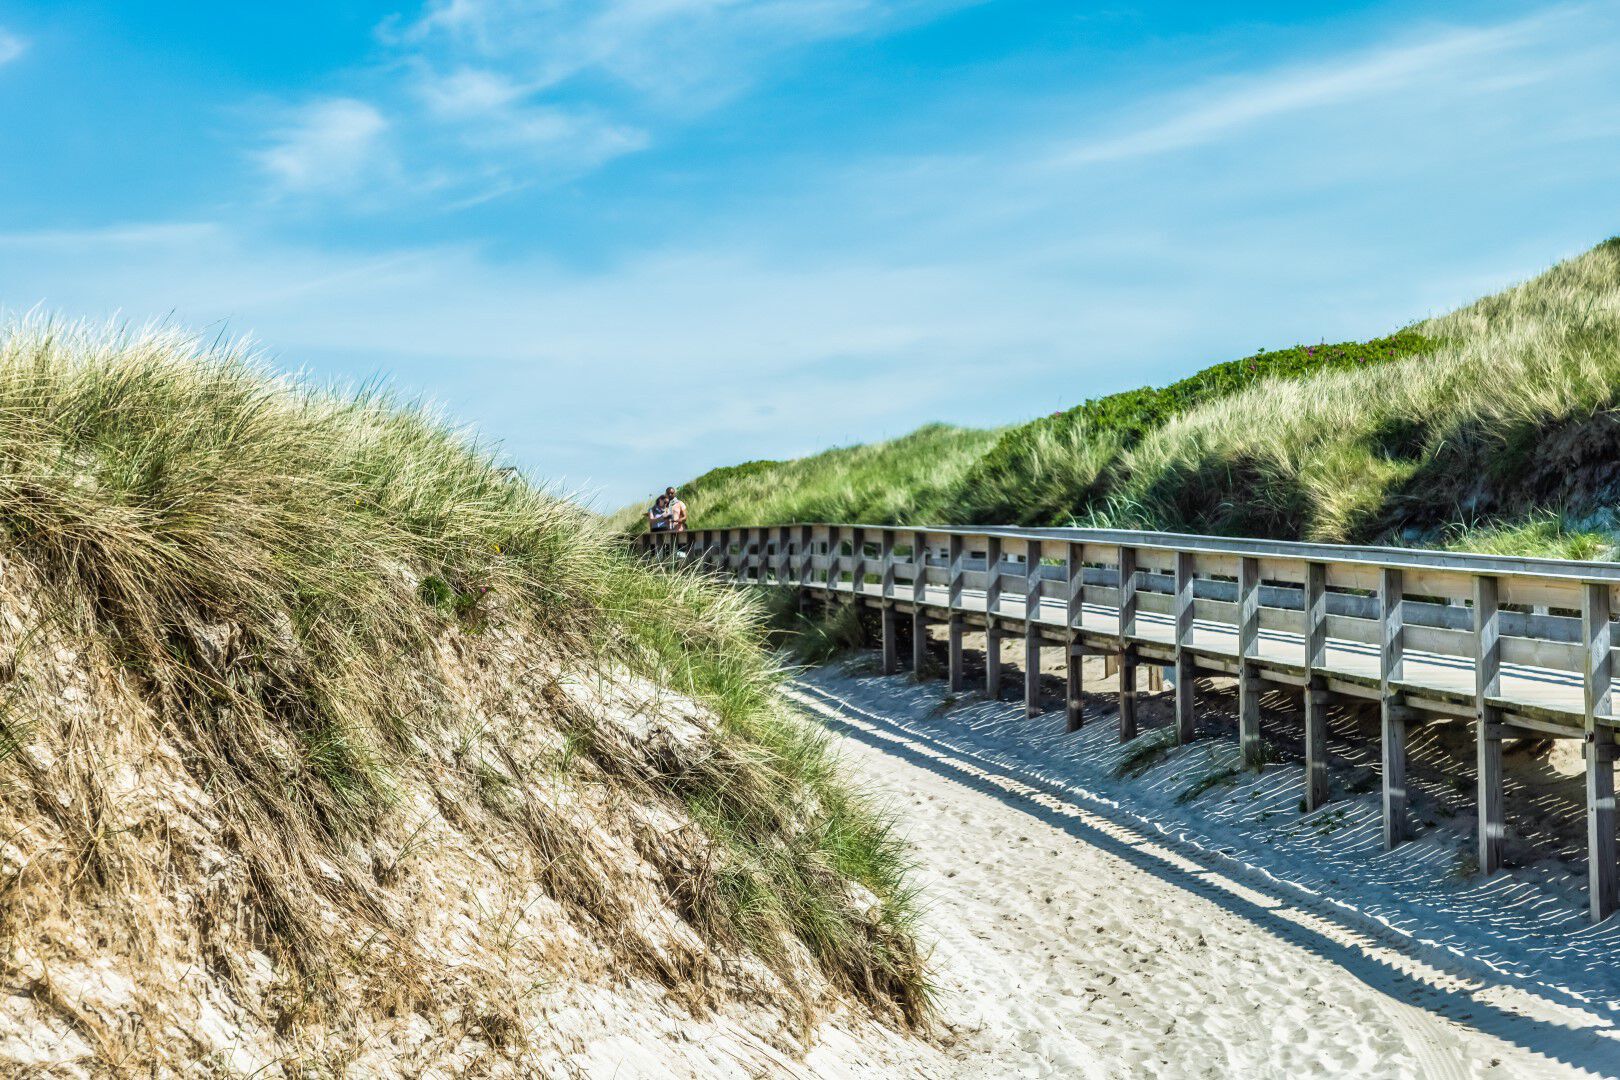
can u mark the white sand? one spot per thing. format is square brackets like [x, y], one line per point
[1071, 942]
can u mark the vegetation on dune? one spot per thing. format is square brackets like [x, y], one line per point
[1513, 417]
[1494, 426]
[1052, 468]
[912, 478]
[272, 566]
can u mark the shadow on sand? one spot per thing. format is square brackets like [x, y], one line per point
[1593, 1049]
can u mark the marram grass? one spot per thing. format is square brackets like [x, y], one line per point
[170, 492]
[1477, 426]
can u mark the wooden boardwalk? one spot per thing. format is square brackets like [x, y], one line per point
[1517, 647]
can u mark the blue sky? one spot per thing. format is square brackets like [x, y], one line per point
[634, 239]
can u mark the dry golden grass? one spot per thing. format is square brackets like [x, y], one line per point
[265, 623]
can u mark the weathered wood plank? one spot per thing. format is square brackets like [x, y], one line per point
[1392, 712]
[1598, 636]
[1186, 703]
[1492, 827]
[1248, 647]
[992, 629]
[1032, 630]
[1314, 639]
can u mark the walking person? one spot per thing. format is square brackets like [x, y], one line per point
[677, 510]
[658, 518]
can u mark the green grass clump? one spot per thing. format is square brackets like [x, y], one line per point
[1542, 534]
[912, 478]
[1215, 777]
[1145, 751]
[1054, 468]
[814, 636]
[1504, 414]
[1513, 416]
[272, 564]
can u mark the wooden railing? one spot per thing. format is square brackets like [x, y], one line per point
[1518, 646]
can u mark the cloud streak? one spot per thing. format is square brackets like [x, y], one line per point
[331, 145]
[489, 97]
[11, 46]
[1214, 111]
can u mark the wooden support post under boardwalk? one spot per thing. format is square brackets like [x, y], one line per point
[1487, 723]
[1316, 773]
[919, 642]
[1248, 675]
[1032, 670]
[992, 628]
[1032, 634]
[1127, 693]
[1074, 710]
[953, 631]
[954, 626]
[1186, 696]
[891, 627]
[919, 597]
[1074, 654]
[1392, 712]
[1126, 623]
[1597, 638]
[1316, 695]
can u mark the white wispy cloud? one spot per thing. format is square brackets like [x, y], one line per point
[486, 97]
[330, 145]
[11, 46]
[1213, 111]
[682, 53]
[492, 113]
[975, 284]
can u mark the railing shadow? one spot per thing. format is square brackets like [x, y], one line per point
[1582, 1049]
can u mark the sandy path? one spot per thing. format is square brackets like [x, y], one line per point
[1069, 946]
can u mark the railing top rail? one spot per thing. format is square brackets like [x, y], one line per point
[1404, 558]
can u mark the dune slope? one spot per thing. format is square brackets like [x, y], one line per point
[326, 743]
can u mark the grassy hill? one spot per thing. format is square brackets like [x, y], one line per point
[325, 735]
[1493, 426]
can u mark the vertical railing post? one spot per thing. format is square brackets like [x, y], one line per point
[1392, 709]
[992, 625]
[958, 555]
[857, 551]
[887, 574]
[835, 561]
[891, 647]
[1314, 634]
[1597, 637]
[919, 598]
[1126, 625]
[1032, 629]
[1074, 649]
[806, 554]
[1186, 695]
[1248, 673]
[1487, 722]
